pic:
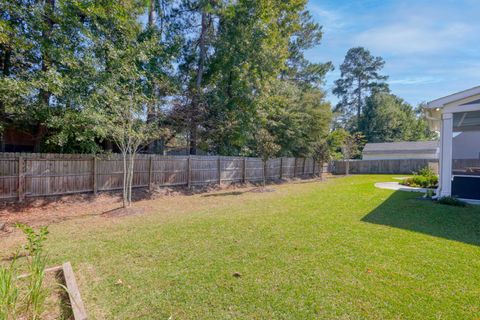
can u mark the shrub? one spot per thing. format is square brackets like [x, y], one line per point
[425, 172]
[451, 201]
[421, 182]
[424, 178]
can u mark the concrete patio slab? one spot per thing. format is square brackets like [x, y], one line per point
[398, 187]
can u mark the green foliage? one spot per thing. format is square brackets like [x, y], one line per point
[266, 146]
[451, 201]
[254, 72]
[352, 145]
[35, 238]
[321, 151]
[204, 71]
[426, 172]
[360, 76]
[76, 131]
[387, 118]
[335, 141]
[421, 182]
[320, 154]
[8, 291]
[36, 294]
[424, 178]
[12, 293]
[297, 118]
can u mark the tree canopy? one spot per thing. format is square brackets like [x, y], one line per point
[206, 73]
[388, 118]
[202, 74]
[360, 76]
[366, 106]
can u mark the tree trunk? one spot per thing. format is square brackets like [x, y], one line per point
[359, 105]
[151, 14]
[108, 144]
[5, 73]
[2, 140]
[130, 180]
[193, 138]
[151, 111]
[40, 133]
[264, 173]
[347, 167]
[125, 176]
[44, 95]
[198, 83]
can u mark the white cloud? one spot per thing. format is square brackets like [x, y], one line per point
[414, 37]
[416, 80]
[329, 19]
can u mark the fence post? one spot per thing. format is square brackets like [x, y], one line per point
[313, 170]
[150, 173]
[189, 172]
[94, 180]
[21, 179]
[281, 168]
[303, 168]
[244, 170]
[219, 171]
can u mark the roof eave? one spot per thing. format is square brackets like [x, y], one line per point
[440, 102]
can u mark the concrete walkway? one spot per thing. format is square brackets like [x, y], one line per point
[397, 186]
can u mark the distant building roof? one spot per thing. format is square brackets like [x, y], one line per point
[401, 147]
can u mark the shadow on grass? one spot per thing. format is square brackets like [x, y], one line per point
[405, 211]
[223, 194]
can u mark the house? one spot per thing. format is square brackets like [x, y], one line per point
[17, 141]
[401, 150]
[457, 118]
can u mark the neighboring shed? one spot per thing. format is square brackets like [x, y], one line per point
[401, 150]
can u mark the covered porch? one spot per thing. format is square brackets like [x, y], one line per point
[457, 118]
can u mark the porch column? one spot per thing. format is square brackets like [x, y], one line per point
[446, 155]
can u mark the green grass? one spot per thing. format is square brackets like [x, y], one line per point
[339, 249]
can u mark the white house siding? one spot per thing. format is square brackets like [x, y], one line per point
[389, 156]
[401, 150]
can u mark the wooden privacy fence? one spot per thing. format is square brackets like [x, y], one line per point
[394, 166]
[37, 175]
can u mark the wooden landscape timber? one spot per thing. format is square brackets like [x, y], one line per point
[75, 299]
[76, 303]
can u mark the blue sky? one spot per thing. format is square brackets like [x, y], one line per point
[431, 48]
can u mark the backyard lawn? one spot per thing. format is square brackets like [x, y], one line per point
[336, 249]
